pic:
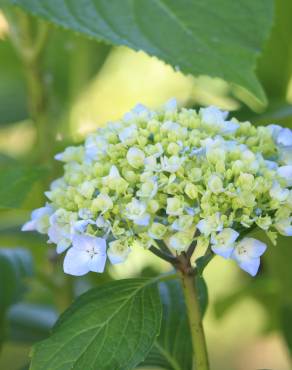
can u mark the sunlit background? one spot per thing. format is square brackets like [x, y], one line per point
[240, 334]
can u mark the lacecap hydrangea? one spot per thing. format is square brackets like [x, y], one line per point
[172, 175]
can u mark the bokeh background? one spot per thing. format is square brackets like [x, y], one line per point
[248, 321]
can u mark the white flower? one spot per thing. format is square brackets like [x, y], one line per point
[61, 229]
[247, 254]
[285, 154]
[284, 226]
[174, 206]
[170, 126]
[80, 226]
[182, 223]
[136, 211]
[223, 243]
[114, 180]
[127, 133]
[102, 203]
[118, 251]
[278, 193]
[135, 157]
[157, 230]
[171, 164]
[138, 110]
[148, 188]
[271, 165]
[284, 137]
[39, 220]
[85, 213]
[286, 173]
[215, 118]
[274, 130]
[87, 188]
[215, 184]
[87, 254]
[180, 241]
[72, 153]
[171, 105]
[210, 224]
[95, 146]
[151, 163]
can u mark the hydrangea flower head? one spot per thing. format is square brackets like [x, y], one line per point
[171, 176]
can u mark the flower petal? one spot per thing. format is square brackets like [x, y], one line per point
[76, 262]
[224, 251]
[97, 263]
[251, 266]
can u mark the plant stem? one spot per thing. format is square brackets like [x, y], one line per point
[29, 39]
[200, 355]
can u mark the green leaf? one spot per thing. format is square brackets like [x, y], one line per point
[29, 323]
[110, 327]
[12, 86]
[16, 182]
[202, 262]
[198, 37]
[173, 348]
[15, 265]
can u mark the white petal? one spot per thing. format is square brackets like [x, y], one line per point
[251, 266]
[139, 108]
[117, 258]
[202, 226]
[97, 263]
[229, 127]
[171, 104]
[285, 137]
[249, 248]
[224, 251]
[143, 220]
[63, 245]
[76, 262]
[286, 173]
[29, 226]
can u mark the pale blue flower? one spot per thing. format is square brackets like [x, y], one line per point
[128, 133]
[135, 157]
[247, 254]
[278, 193]
[39, 220]
[223, 243]
[80, 226]
[284, 137]
[286, 154]
[210, 224]
[171, 105]
[136, 211]
[171, 164]
[118, 251]
[284, 226]
[87, 254]
[286, 173]
[95, 146]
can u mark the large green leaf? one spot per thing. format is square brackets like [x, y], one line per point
[216, 38]
[173, 348]
[110, 327]
[16, 182]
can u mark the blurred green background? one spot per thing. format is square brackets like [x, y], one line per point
[249, 321]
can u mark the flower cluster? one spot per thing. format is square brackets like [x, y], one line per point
[172, 175]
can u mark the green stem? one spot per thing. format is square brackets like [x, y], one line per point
[200, 355]
[29, 39]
